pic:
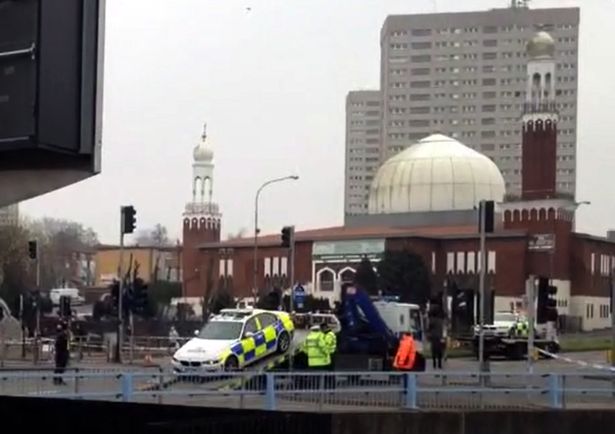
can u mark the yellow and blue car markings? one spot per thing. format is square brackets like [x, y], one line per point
[263, 342]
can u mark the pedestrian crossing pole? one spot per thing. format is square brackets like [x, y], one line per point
[291, 268]
[291, 273]
[481, 289]
[531, 291]
[120, 307]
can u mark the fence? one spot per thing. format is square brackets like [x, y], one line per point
[338, 391]
[88, 349]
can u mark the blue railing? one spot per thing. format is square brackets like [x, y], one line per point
[324, 391]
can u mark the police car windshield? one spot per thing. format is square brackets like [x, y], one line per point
[222, 330]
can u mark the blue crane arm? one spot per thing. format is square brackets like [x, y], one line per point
[362, 317]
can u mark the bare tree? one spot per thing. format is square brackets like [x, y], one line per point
[157, 236]
[241, 233]
[60, 244]
[14, 267]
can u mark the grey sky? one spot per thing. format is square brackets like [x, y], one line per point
[271, 84]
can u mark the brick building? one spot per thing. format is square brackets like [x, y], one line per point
[424, 199]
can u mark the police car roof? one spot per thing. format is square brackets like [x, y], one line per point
[233, 314]
[236, 314]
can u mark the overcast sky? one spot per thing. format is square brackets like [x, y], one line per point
[271, 84]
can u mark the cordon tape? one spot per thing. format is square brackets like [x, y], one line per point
[577, 362]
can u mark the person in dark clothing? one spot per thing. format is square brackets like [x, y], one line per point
[61, 353]
[435, 333]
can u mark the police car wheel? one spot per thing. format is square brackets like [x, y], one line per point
[283, 342]
[231, 364]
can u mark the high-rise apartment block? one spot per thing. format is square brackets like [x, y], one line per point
[9, 215]
[463, 74]
[363, 133]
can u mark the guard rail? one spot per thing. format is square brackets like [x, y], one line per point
[335, 391]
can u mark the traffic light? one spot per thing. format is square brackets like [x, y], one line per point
[546, 309]
[489, 215]
[65, 308]
[129, 219]
[287, 236]
[33, 249]
[115, 295]
[139, 296]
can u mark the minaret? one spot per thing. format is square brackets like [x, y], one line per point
[544, 215]
[201, 218]
[539, 137]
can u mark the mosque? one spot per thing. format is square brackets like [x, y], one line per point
[424, 199]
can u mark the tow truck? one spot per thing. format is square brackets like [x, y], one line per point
[366, 342]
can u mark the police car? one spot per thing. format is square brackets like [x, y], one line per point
[234, 339]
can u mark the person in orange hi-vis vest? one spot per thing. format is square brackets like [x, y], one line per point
[406, 354]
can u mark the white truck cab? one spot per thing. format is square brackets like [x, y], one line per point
[401, 317]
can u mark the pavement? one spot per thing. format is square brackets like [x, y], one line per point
[539, 366]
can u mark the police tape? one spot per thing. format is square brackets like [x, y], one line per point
[577, 362]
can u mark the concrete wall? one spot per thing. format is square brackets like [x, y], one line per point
[67, 416]
[476, 422]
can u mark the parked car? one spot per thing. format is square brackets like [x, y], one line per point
[73, 293]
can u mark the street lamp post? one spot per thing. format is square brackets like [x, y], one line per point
[258, 192]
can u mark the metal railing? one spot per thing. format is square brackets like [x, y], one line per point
[86, 349]
[322, 391]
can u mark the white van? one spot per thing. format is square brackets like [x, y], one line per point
[73, 293]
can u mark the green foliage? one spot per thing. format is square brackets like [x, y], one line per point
[160, 292]
[221, 299]
[271, 301]
[366, 278]
[404, 273]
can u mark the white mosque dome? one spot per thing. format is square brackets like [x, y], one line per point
[437, 173]
[202, 152]
[541, 45]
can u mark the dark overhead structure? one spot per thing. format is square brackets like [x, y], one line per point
[51, 57]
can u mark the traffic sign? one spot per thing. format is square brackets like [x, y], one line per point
[299, 296]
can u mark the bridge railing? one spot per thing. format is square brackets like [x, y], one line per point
[322, 391]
